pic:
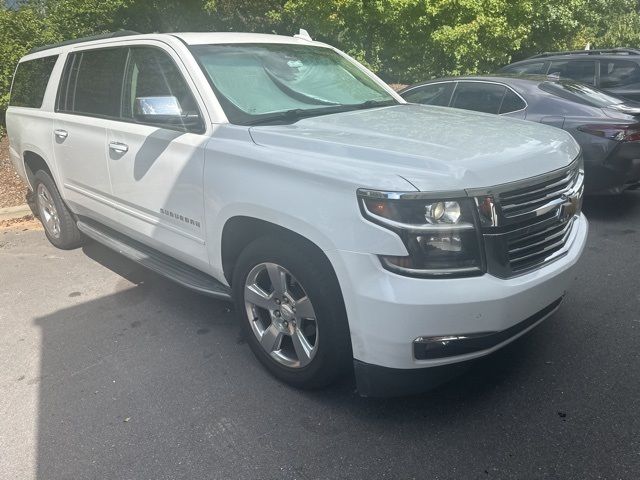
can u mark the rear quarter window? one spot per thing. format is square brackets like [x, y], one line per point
[30, 82]
[618, 73]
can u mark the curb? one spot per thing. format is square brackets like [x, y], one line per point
[9, 213]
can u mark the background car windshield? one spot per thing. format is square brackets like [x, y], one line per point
[257, 79]
[579, 92]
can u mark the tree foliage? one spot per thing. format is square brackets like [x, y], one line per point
[402, 40]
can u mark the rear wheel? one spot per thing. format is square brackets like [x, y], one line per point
[291, 310]
[58, 222]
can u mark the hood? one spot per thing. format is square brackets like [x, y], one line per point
[434, 148]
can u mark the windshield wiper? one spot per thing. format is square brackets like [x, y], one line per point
[290, 116]
[376, 103]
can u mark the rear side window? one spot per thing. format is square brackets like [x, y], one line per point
[618, 73]
[526, 69]
[478, 96]
[92, 83]
[434, 94]
[511, 102]
[30, 82]
[580, 70]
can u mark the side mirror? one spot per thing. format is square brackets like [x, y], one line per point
[162, 111]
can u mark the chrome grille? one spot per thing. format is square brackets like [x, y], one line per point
[522, 202]
[538, 245]
[535, 219]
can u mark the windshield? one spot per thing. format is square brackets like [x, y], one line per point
[255, 81]
[579, 92]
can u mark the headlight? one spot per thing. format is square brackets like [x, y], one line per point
[440, 234]
[442, 212]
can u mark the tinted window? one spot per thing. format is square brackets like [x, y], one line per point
[478, 96]
[511, 102]
[152, 73]
[92, 83]
[30, 82]
[526, 69]
[618, 73]
[434, 94]
[580, 70]
[580, 93]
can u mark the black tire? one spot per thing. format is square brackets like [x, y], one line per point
[67, 236]
[315, 275]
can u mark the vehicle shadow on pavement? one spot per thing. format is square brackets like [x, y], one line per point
[153, 381]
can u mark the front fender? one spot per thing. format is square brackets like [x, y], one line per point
[313, 196]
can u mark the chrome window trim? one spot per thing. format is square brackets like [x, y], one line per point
[493, 82]
[455, 88]
[128, 44]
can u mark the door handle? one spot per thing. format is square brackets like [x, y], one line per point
[61, 134]
[118, 147]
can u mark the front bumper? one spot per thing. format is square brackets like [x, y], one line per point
[388, 312]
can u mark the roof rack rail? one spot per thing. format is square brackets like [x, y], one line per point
[102, 36]
[599, 51]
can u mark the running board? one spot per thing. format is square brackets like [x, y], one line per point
[152, 259]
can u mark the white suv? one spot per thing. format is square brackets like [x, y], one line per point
[353, 231]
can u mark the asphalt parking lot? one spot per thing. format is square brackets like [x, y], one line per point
[108, 371]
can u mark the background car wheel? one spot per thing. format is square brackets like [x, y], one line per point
[291, 310]
[59, 225]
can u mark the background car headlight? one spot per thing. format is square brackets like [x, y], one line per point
[440, 235]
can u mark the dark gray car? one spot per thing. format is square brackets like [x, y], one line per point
[606, 127]
[616, 70]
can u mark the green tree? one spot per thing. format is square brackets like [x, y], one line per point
[402, 40]
[20, 30]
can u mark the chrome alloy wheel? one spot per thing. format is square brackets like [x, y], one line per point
[281, 315]
[47, 210]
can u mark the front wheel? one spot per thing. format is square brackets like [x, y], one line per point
[58, 222]
[292, 313]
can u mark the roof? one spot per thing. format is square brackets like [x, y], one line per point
[602, 51]
[102, 36]
[190, 38]
[514, 80]
[203, 38]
